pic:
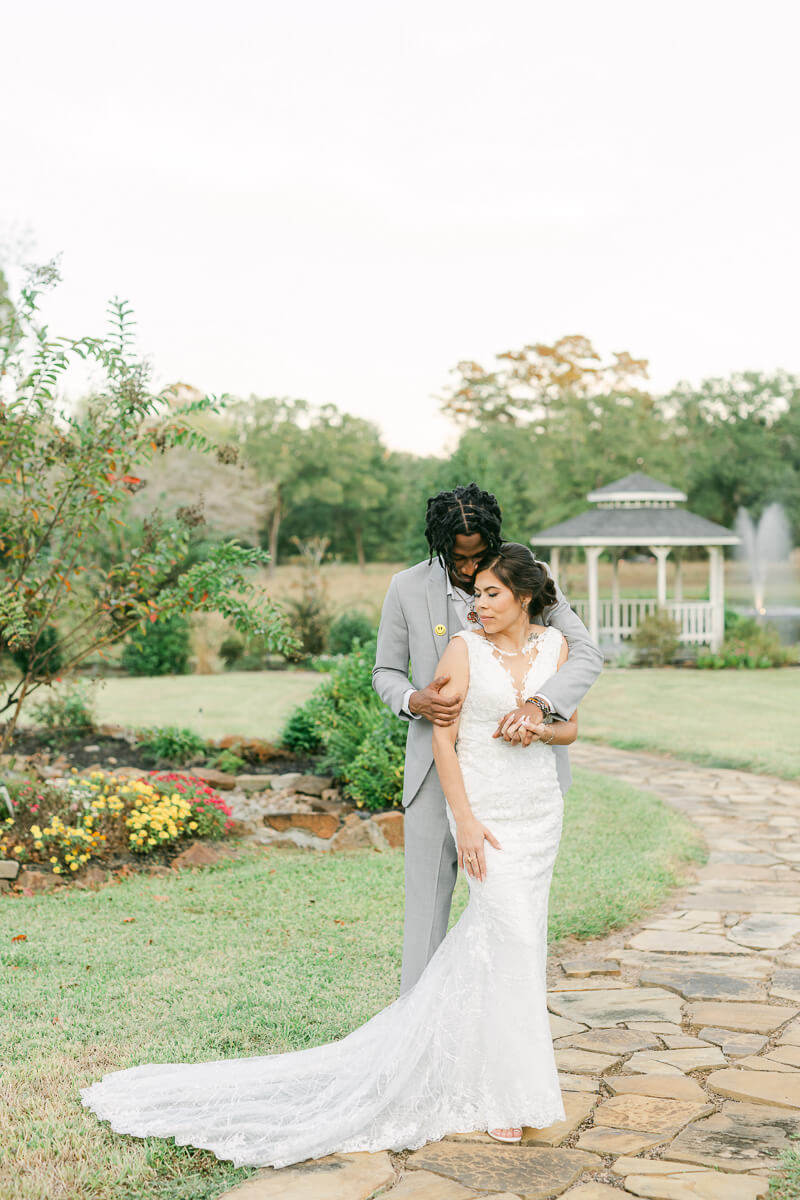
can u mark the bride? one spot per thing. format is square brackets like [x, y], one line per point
[468, 1047]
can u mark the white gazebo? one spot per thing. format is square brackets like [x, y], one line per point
[641, 512]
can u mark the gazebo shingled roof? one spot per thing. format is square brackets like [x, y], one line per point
[637, 486]
[636, 527]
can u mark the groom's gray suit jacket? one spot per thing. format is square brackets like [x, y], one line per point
[415, 606]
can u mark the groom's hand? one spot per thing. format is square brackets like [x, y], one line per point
[511, 728]
[430, 704]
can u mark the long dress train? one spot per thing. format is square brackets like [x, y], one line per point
[468, 1047]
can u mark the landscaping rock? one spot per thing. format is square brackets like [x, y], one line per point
[532, 1172]
[604, 1140]
[650, 1114]
[196, 855]
[626, 1165]
[685, 943]
[668, 1087]
[746, 1018]
[313, 785]
[742, 1137]
[36, 881]
[605, 1008]
[93, 877]
[322, 825]
[9, 868]
[424, 1185]
[254, 783]
[790, 1055]
[732, 1044]
[765, 931]
[584, 1062]
[702, 985]
[287, 780]
[779, 1088]
[353, 835]
[681, 1060]
[582, 968]
[578, 1083]
[391, 826]
[786, 985]
[214, 778]
[560, 1026]
[337, 1177]
[610, 1041]
[697, 1185]
[129, 773]
[593, 1191]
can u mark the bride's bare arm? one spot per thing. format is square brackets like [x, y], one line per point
[470, 833]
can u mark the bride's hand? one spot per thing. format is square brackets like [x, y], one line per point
[470, 835]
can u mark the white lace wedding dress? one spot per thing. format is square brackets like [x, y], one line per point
[467, 1048]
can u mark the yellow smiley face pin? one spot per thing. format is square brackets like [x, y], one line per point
[440, 630]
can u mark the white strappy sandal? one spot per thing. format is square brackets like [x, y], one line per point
[511, 1135]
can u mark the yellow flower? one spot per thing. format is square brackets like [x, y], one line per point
[193, 824]
[53, 859]
[73, 866]
[36, 831]
[18, 849]
[56, 870]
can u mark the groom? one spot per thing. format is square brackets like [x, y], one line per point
[424, 606]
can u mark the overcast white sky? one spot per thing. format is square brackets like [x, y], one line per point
[339, 199]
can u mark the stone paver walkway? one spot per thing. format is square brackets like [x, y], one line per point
[678, 1040]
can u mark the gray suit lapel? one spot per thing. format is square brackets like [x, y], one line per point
[436, 596]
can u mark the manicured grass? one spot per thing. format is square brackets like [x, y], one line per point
[255, 703]
[743, 719]
[276, 950]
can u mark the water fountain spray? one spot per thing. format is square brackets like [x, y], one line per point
[769, 541]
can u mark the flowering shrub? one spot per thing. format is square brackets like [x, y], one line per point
[64, 827]
[209, 811]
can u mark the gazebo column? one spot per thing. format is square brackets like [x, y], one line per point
[716, 594]
[661, 554]
[555, 562]
[592, 557]
[615, 613]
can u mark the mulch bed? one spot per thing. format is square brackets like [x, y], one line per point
[113, 752]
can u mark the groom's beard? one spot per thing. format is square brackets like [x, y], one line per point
[466, 584]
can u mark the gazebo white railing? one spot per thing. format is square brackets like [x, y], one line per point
[694, 617]
[638, 512]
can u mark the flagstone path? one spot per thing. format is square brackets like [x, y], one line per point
[677, 1040]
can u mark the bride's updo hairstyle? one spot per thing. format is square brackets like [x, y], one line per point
[515, 566]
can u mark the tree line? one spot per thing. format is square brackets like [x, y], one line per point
[541, 428]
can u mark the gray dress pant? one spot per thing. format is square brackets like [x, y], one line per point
[431, 865]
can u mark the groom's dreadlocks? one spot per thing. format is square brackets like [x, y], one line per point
[467, 509]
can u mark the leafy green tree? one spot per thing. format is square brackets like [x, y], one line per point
[64, 479]
[738, 442]
[272, 432]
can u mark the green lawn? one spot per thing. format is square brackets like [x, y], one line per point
[276, 950]
[742, 719]
[255, 703]
[745, 719]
